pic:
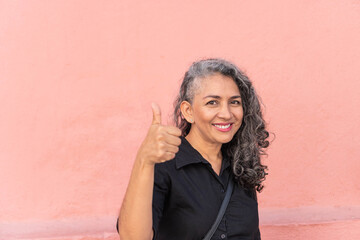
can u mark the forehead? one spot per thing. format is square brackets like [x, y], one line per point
[217, 84]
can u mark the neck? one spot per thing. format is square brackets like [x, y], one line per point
[209, 150]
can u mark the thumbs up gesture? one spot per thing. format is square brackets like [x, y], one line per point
[161, 142]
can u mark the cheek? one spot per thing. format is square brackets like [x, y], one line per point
[238, 113]
[205, 115]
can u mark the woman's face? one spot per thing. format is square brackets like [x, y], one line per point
[216, 109]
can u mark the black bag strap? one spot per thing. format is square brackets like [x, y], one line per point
[221, 212]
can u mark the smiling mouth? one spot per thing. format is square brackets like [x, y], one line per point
[223, 127]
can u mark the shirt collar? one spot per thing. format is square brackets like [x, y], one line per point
[187, 154]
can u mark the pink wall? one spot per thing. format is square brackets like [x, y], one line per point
[77, 79]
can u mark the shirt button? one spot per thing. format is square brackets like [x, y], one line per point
[223, 236]
[222, 190]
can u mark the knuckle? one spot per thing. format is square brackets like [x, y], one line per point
[160, 137]
[164, 148]
[159, 154]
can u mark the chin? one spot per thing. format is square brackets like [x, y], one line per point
[225, 140]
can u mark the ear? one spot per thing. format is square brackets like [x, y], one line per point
[187, 111]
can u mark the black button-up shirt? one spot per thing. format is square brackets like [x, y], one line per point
[188, 195]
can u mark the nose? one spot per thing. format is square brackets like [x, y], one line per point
[225, 112]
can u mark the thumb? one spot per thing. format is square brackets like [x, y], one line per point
[156, 113]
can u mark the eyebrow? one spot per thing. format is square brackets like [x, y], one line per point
[218, 97]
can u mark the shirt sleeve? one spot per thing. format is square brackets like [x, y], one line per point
[160, 192]
[257, 235]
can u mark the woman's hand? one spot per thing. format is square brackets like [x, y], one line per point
[161, 142]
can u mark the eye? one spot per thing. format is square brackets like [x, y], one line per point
[236, 102]
[212, 102]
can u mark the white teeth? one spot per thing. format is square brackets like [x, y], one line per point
[222, 126]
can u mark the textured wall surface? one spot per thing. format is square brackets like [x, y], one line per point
[77, 79]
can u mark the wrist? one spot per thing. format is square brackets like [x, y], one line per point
[143, 162]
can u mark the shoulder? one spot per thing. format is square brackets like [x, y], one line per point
[165, 167]
[251, 193]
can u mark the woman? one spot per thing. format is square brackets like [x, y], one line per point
[180, 175]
